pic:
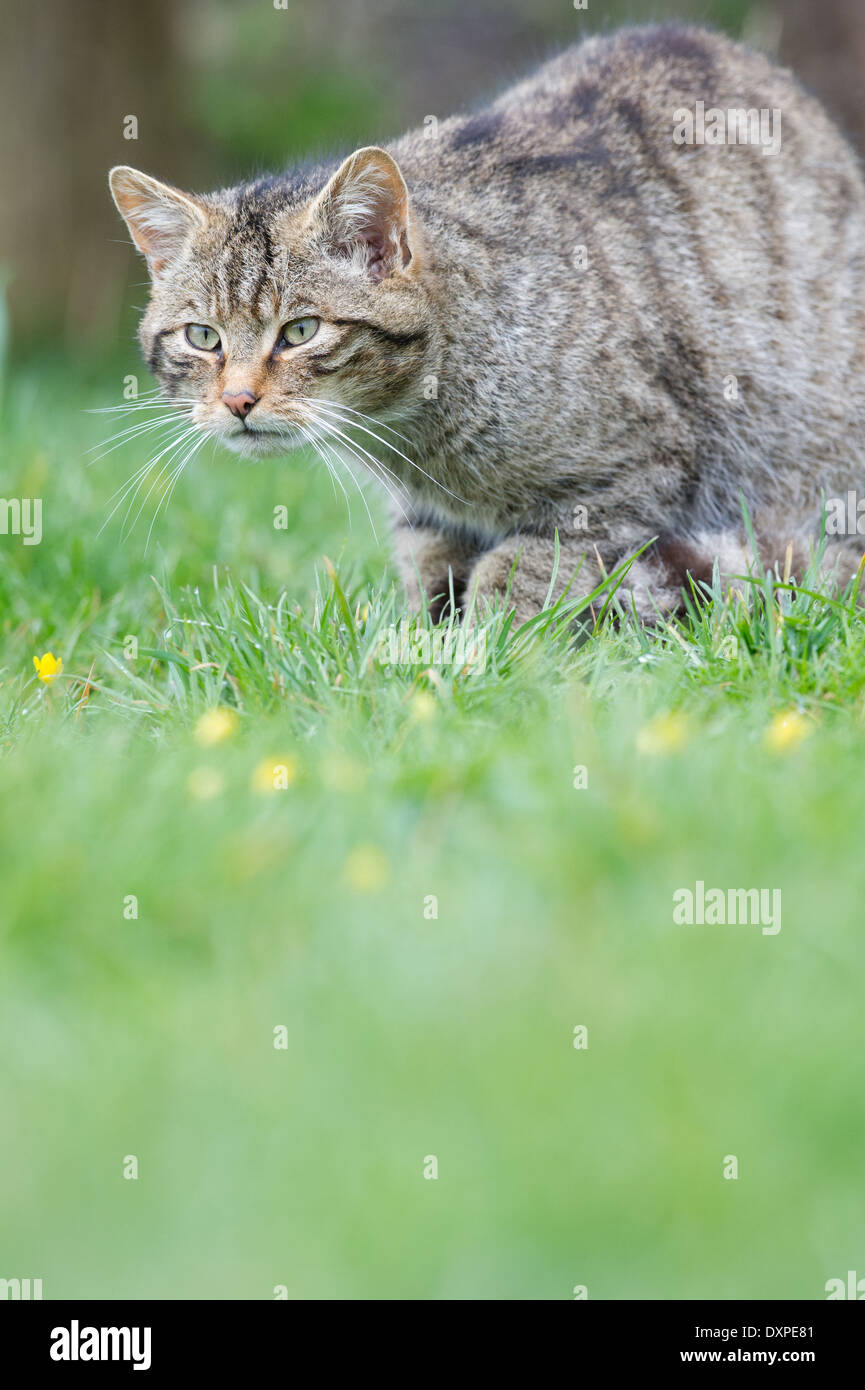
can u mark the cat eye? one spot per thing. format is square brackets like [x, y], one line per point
[298, 331]
[198, 335]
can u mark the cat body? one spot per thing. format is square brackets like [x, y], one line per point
[556, 318]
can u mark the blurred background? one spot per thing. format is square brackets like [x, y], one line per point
[202, 92]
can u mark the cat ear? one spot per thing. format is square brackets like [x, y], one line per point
[160, 219]
[363, 213]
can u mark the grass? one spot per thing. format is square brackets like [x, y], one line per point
[428, 902]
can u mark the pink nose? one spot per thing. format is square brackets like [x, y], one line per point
[239, 403]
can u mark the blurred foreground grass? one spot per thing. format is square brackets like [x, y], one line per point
[425, 903]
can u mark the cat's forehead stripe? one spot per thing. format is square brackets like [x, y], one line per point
[243, 273]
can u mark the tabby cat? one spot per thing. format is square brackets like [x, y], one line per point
[575, 314]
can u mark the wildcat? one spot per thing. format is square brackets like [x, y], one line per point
[554, 318]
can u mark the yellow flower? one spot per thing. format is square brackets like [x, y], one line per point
[366, 869]
[48, 666]
[275, 774]
[666, 733]
[786, 731]
[423, 707]
[215, 725]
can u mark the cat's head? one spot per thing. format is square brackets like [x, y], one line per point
[282, 304]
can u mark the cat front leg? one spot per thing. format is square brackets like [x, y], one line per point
[528, 561]
[427, 558]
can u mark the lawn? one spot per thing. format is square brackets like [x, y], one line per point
[304, 937]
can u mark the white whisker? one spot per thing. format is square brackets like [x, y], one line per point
[356, 448]
[137, 477]
[173, 479]
[341, 405]
[132, 432]
[336, 410]
[169, 450]
[331, 471]
[365, 459]
[322, 444]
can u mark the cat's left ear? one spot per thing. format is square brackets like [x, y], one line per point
[363, 213]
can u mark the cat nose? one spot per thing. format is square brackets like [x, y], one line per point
[239, 403]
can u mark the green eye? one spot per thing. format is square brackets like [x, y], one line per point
[299, 331]
[198, 335]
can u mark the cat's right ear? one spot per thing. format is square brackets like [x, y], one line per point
[160, 218]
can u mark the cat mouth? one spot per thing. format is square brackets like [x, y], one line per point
[252, 439]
